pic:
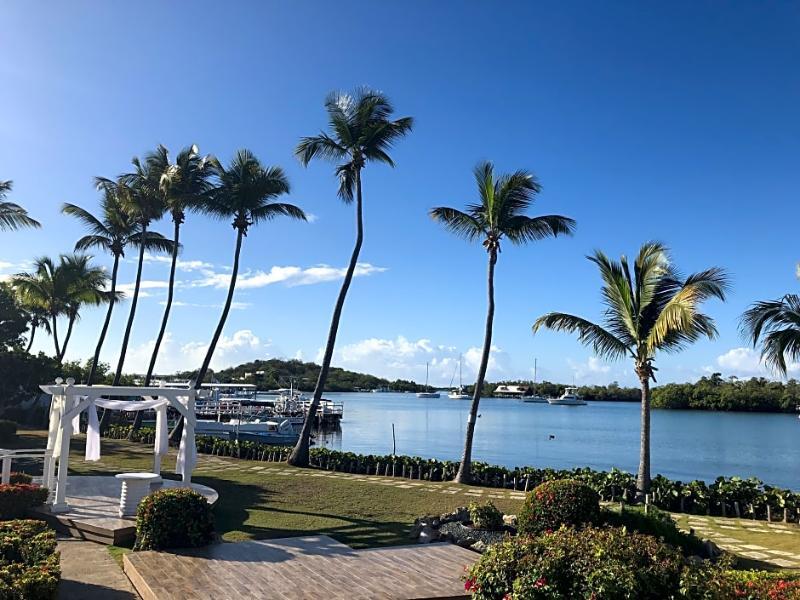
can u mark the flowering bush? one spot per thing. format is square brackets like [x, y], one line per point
[556, 503]
[485, 516]
[17, 498]
[597, 564]
[29, 563]
[173, 518]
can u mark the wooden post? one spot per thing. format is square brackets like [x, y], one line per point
[6, 476]
[527, 482]
[737, 509]
[404, 470]
[769, 513]
[683, 504]
[724, 509]
[785, 515]
[647, 504]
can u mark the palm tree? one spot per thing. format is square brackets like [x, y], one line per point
[112, 231]
[498, 214]
[361, 131]
[37, 319]
[655, 309]
[186, 185]
[61, 289]
[13, 216]
[245, 194]
[776, 324]
[85, 285]
[142, 198]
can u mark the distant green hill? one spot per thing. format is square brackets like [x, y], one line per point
[276, 373]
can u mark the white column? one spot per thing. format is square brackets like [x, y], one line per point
[60, 504]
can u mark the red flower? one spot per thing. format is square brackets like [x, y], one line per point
[540, 583]
[470, 585]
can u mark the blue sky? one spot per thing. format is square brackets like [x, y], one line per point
[672, 121]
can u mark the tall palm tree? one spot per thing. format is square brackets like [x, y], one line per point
[112, 231]
[245, 194]
[655, 309]
[186, 185]
[142, 198]
[498, 214]
[37, 319]
[13, 216]
[776, 325]
[86, 285]
[361, 131]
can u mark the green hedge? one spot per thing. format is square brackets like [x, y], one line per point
[29, 563]
[173, 518]
[559, 502]
[754, 499]
[8, 430]
[17, 498]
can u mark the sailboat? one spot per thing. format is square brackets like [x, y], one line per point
[427, 393]
[459, 393]
[535, 398]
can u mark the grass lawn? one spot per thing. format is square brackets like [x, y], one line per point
[293, 501]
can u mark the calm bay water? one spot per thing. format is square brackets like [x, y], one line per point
[685, 444]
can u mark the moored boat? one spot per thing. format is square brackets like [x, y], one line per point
[570, 397]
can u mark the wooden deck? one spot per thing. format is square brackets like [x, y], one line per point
[304, 567]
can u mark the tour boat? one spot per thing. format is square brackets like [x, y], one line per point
[570, 397]
[268, 432]
[459, 393]
[427, 393]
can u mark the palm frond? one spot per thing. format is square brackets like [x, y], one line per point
[13, 216]
[154, 241]
[91, 222]
[277, 209]
[319, 146]
[458, 222]
[602, 342]
[776, 324]
[520, 229]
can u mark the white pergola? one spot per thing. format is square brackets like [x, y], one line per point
[69, 400]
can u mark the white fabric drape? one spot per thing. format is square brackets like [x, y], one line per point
[53, 427]
[162, 435]
[92, 434]
[93, 428]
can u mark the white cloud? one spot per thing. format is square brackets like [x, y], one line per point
[182, 265]
[592, 366]
[288, 275]
[181, 304]
[745, 362]
[242, 346]
[401, 358]
[311, 217]
[145, 285]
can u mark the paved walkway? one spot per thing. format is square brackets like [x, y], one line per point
[89, 573]
[734, 535]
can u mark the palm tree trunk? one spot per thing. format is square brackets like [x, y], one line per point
[464, 474]
[55, 337]
[30, 339]
[104, 330]
[226, 309]
[137, 421]
[643, 478]
[70, 323]
[300, 454]
[106, 418]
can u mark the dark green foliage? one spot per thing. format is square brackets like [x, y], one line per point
[715, 393]
[717, 581]
[8, 430]
[17, 498]
[485, 516]
[29, 563]
[657, 523]
[596, 564]
[556, 503]
[173, 518]
[13, 320]
[18, 477]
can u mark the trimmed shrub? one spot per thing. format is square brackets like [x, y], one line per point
[18, 477]
[17, 498]
[173, 518]
[29, 563]
[717, 581]
[8, 430]
[556, 503]
[485, 516]
[590, 563]
[657, 523]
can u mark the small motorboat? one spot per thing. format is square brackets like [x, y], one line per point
[570, 397]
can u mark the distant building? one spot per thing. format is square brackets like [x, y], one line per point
[511, 391]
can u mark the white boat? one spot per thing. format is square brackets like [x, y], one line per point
[535, 398]
[427, 393]
[458, 394]
[570, 397]
[269, 432]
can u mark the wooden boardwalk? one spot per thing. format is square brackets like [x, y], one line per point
[300, 568]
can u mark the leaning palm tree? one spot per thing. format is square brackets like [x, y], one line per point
[186, 185]
[37, 319]
[776, 325]
[498, 214]
[654, 309]
[112, 231]
[13, 216]
[85, 285]
[361, 131]
[245, 194]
